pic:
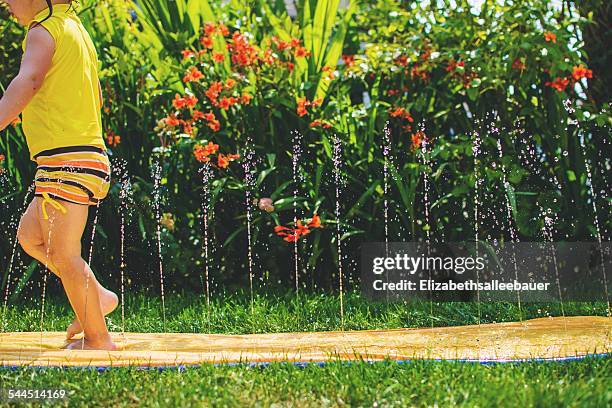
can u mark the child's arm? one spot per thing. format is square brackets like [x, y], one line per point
[35, 64]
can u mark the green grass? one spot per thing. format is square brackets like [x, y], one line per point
[578, 383]
[235, 314]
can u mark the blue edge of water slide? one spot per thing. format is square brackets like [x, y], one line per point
[183, 367]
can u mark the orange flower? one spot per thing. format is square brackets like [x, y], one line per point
[301, 229]
[417, 139]
[559, 84]
[211, 148]
[209, 116]
[246, 98]
[222, 161]
[218, 57]
[223, 30]
[548, 36]
[401, 113]
[111, 138]
[294, 234]
[191, 101]
[581, 71]
[301, 52]
[197, 115]
[320, 123]
[302, 103]
[225, 103]
[178, 102]
[229, 83]
[200, 154]
[171, 120]
[193, 74]
[213, 91]
[214, 124]
[2, 158]
[315, 222]
[206, 41]
[210, 28]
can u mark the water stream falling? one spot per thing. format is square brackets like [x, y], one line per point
[248, 166]
[425, 161]
[589, 181]
[511, 228]
[21, 210]
[206, 176]
[156, 175]
[126, 200]
[476, 142]
[295, 159]
[388, 160]
[337, 161]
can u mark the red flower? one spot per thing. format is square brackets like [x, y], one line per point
[402, 60]
[218, 57]
[320, 123]
[548, 36]
[349, 60]
[301, 52]
[401, 113]
[187, 54]
[581, 72]
[518, 64]
[559, 84]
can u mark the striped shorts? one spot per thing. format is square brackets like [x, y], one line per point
[77, 174]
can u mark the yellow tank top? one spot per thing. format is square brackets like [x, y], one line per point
[66, 109]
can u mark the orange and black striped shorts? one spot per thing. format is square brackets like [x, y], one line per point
[77, 174]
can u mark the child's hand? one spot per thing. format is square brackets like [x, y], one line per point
[35, 64]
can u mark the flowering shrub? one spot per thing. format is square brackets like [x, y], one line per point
[204, 87]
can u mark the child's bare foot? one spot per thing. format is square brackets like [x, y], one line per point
[108, 301]
[90, 345]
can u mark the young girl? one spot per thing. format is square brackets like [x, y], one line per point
[59, 95]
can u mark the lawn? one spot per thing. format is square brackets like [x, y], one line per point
[578, 383]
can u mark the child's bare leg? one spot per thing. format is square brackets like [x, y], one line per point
[77, 277]
[29, 234]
